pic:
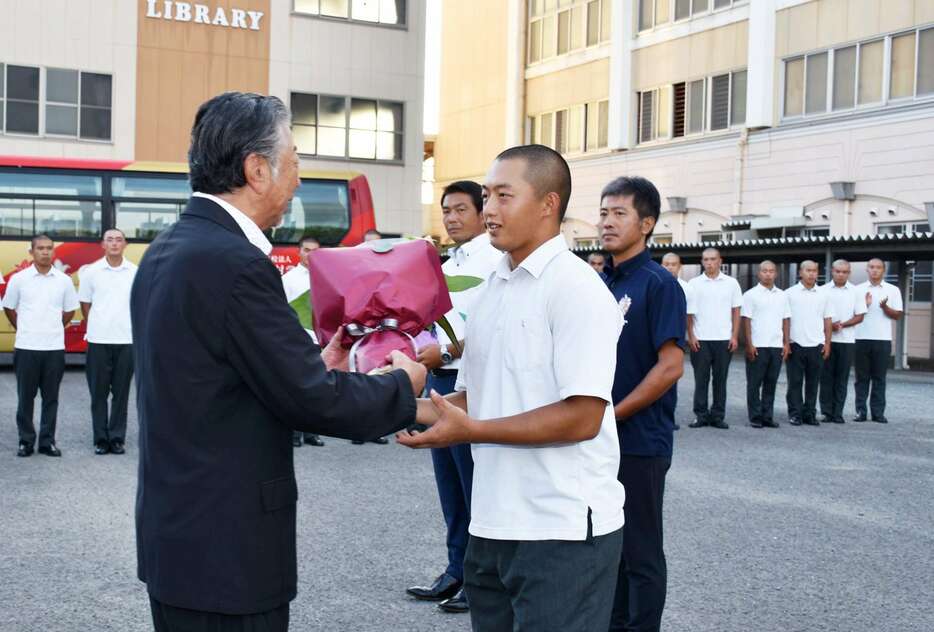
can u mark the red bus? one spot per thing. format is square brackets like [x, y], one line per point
[75, 201]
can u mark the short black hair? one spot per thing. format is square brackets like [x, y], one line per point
[39, 237]
[546, 170]
[467, 187]
[308, 238]
[227, 129]
[645, 197]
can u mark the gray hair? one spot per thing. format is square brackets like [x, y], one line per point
[227, 129]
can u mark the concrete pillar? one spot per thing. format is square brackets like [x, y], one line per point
[621, 122]
[517, 20]
[761, 80]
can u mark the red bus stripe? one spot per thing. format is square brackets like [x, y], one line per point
[62, 163]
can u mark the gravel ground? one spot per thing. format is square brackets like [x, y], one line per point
[828, 528]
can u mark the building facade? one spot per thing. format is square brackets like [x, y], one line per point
[755, 118]
[122, 80]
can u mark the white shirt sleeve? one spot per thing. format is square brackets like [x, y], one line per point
[787, 304]
[11, 298]
[86, 286]
[737, 297]
[859, 303]
[70, 297]
[828, 306]
[584, 333]
[747, 309]
[895, 299]
[691, 298]
[462, 376]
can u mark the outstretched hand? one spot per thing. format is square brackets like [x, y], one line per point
[453, 426]
[335, 357]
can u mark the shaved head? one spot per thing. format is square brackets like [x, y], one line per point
[768, 263]
[545, 170]
[671, 257]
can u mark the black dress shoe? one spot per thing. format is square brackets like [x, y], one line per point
[880, 420]
[722, 425]
[770, 424]
[355, 442]
[810, 422]
[116, 447]
[794, 421]
[381, 441]
[755, 424]
[443, 588]
[456, 604]
[50, 450]
[24, 449]
[838, 420]
[860, 417]
[101, 448]
[697, 423]
[313, 439]
[677, 427]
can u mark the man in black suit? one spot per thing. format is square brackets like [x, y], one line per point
[225, 372]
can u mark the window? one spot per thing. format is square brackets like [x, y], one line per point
[558, 27]
[561, 132]
[696, 106]
[679, 100]
[22, 99]
[61, 102]
[794, 87]
[673, 111]
[663, 123]
[575, 129]
[720, 4]
[738, 98]
[902, 67]
[870, 72]
[654, 13]
[385, 12]
[95, 106]
[816, 85]
[647, 116]
[320, 208]
[682, 9]
[926, 62]
[844, 78]
[26, 207]
[578, 128]
[720, 102]
[345, 127]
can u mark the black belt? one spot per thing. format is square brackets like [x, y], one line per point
[443, 372]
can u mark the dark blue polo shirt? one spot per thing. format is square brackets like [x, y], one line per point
[656, 314]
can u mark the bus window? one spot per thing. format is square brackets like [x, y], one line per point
[157, 188]
[15, 218]
[17, 183]
[320, 208]
[145, 220]
[68, 218]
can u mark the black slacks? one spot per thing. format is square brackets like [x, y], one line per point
[37, 372]
[871, 360]
[166, 618]
[542, 585]
[834, 380]
[761, 377]
[712, 358]
[643, 571]
[804, 368]
[109, 371]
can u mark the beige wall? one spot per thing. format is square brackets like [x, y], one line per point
[694, 56]
[578, 84]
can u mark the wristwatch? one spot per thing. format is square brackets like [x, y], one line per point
[446, 357]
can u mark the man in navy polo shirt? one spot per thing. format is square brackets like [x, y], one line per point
[650, 360]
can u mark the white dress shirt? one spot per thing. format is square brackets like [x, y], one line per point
[876, 325]
[711, 303]
[296, 282]
[476, 259]
[766, 310]
[809, 308]
[39, 300]
[107, 289]
[253, 234]
[845, 302]
[539, 334]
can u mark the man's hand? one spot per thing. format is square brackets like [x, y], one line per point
[837, 326]
[335, 357]
[693, 343]
[868, 299]
[751, 352]
[884, 302]
[786, 351]
[417, 373]
[733, 345]
[825, 353]
[452, 426]
[430, 356]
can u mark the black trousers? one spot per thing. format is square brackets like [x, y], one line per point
[166, 618]
[37, 372]
[712, 358]
[109, 371]
[834, 379]
[542, 585]
[643, 572]
[804, 368]
[871, 360]
[761, 377]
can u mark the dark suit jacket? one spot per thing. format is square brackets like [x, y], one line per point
[224, 373]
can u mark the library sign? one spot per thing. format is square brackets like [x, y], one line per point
[203, 14]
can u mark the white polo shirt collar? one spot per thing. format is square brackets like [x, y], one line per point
[252, 232]
[536, 262]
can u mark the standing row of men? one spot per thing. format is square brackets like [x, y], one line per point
[819, 331]
[39, 302]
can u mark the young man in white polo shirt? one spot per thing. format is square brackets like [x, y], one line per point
[873, 350]
[536, 380]
[105, 303]
[848, 307]
[297, 283]
[39, 303]
[766, 321]
[713, 336]
[811, 327]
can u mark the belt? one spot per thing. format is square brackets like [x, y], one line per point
[444, 372]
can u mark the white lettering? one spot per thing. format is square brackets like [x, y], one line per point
[151, 9]
[202, 16]
[167, 13]
[183, 12]
[220, 17]
[238, 18]
[255, 17]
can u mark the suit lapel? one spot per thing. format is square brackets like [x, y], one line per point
[211, 211]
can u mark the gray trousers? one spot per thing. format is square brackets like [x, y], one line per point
[542, 586]
[37, 372]
[109, 371]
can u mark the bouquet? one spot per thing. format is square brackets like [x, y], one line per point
[384, 293]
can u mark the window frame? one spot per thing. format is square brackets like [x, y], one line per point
[404, 26]
[673, 15]
[534, 128]
[534, 20]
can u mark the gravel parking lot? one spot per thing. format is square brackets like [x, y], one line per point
[824, 528]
